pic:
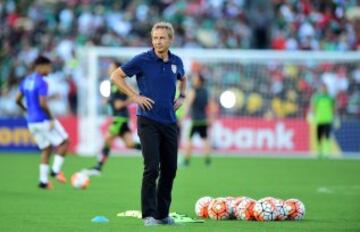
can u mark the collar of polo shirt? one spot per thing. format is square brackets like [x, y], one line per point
[171, 57]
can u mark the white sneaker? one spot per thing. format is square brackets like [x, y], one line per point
[91, 172]
[151, 221]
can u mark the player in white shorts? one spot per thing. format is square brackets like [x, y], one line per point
[44, 136]
[46, 130]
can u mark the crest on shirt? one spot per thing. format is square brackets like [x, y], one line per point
[173, 68]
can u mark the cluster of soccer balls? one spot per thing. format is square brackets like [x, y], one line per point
[248, 209]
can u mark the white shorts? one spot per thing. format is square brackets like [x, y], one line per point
[45, 137]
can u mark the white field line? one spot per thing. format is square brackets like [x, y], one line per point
[253, 155]
[340, 189]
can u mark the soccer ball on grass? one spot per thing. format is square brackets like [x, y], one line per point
[80, 180]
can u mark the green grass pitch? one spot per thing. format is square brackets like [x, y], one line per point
[330, 190]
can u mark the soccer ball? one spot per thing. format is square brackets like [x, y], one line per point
[218, 209]
[234, 204]
[201, 207]
[244, 210]
[294, 209]
[280, 207]
[265, 210]
[80, 180]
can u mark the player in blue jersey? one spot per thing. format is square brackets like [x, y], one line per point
[46, 130]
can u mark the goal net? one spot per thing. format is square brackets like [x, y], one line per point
[262, 98]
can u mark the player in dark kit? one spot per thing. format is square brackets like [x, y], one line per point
[197, 102]
[118, 102]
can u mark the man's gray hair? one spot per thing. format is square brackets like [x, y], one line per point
[164, 25]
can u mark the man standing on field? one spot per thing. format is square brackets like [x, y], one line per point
[156, 71]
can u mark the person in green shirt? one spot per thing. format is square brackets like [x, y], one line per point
[119, 127]
[323, 109]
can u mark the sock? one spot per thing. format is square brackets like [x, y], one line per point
[319, 148]
[137, 146]
[327, 146]
[104, 153]
[58, 162]
[44, 171]
[103, 157]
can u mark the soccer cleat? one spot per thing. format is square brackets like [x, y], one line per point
[150, 221]
[167, 221]
[60, 177]
[91, 172]
[47, 185]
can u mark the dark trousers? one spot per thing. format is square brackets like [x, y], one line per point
[159, 149]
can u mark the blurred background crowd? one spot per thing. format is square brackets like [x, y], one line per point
[57, 28]
[286, 90]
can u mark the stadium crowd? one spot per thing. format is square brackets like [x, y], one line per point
[57, 28]
[285, 90]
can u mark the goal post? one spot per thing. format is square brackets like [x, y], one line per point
[269, 110]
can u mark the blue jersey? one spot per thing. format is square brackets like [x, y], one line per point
[32, 87]
[156, 80]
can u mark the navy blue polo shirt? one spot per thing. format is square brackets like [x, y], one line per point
[156, 80]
